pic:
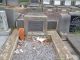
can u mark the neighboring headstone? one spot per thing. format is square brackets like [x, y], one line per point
[57, 2]
[3, 21]
[67, 2]
[64, 23]
[4, 30]
[12, 16]
[46, 1]
[69, 23]
[50, 24]
[35, 24]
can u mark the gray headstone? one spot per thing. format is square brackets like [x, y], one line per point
[64, 23]
[4, 30]
[3, 21]
[35, 23]
[12, 16]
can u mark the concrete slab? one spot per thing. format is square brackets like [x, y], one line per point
[3, 40]
[61, 48]
[75, 41]
[9, 46]
[5, 33]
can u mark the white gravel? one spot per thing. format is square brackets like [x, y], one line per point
[34, 50]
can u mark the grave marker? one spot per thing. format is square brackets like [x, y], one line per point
[3, 21]
[4, 30]
[35, 24]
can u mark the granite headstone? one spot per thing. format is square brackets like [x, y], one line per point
[35, 24]
[64, 23]
[4, 29]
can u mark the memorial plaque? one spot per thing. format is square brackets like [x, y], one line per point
[35, 26]
[75, 23]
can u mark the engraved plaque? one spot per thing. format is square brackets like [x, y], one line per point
[35, 26]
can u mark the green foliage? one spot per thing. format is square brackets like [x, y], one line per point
[24, 0]
[0, 1]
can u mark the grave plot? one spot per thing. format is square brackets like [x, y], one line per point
[37, 45]
[35, 48]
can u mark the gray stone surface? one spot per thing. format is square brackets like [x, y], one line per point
[5, 33]
[12, 16]
[74, 39]
[3, 40]
[64, 23]
[72, 51]
[3, 20]
[37, 21]
[52, 25]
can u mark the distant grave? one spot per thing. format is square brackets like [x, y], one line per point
[67, 3]
[57, 2]
[34, 1]
[69, 23]
[46, 1]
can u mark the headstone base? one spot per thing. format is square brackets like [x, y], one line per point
[63, 36]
